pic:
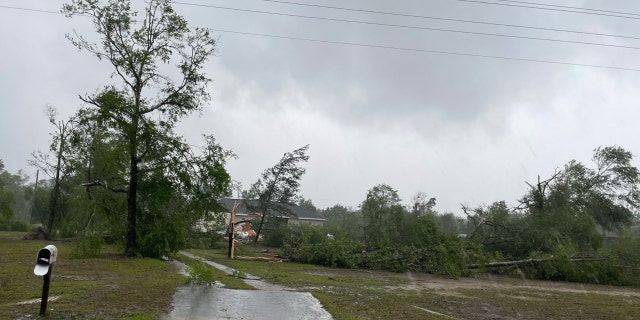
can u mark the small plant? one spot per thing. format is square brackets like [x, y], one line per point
[200, 273]
[239, 274]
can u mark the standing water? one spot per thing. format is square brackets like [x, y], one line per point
[268, 302]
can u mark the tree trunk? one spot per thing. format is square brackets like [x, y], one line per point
[131, 247]
[56, 187]
[132, 239]
[528, 262]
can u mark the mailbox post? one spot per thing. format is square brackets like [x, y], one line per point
[44, 264]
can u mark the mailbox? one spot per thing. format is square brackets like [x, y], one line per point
[46, 257]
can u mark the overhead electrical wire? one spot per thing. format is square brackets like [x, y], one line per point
[570, 7]
[408, 26]
[408, 15]
[389, 47]
[630, 16]
[426, 50]
[29, 9]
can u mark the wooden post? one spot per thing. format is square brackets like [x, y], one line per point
[232, 220]
[45, 292]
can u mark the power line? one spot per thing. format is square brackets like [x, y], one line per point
[407, 15]
[411, 27]
[29, 9]
[551, 9]
[392, 47]
[570, 7]
[426, 50]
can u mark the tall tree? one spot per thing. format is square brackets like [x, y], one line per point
[383, 215]
[145, 108]
[278, 186]
[58, 168]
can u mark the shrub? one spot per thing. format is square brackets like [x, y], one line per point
[13, 225]
[200, 273]
[87, 246]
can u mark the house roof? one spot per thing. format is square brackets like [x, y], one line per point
[295, 210]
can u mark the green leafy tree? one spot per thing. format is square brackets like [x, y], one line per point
[278, 186]
[609, 193]
[571, 209]
[6, 197]
[383, 216]
[306, 203]
[141, 113]
[343, 222]
[16, 194]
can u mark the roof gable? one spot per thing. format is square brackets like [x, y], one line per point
[296, 210]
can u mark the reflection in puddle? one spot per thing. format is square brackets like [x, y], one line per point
[204, 302]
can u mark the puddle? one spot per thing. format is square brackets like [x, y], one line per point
[54, 298]
[203, 302]
[268, 302]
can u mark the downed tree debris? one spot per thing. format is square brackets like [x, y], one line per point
[526, 262]
[266, 259]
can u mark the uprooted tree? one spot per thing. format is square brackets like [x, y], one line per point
[164, 181]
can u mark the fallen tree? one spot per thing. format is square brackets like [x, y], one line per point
[528, 262]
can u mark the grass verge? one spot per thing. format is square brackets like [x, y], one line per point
[110, 286]
[229, 282]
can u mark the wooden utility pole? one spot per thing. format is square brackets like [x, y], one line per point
[232, 220]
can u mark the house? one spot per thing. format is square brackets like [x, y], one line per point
[297, 215]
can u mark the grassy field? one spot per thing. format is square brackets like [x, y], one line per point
[114, 287]
[108, 287]
[358, 294]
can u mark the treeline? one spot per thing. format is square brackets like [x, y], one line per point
[577, 225]
[20, 201]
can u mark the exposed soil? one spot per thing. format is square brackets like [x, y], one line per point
[499, 297]
[423, 281]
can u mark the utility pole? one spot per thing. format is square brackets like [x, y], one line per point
[232, 231]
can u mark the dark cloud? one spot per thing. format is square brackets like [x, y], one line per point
[463, 129]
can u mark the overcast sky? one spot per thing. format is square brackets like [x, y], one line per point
[462, 129]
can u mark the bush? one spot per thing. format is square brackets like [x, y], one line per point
[626, 252]
[205, 240]
[13, 225]
[87, 246]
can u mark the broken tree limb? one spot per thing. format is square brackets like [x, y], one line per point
[267, 259]
[527, 262]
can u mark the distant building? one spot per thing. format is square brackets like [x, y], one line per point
[297, 215]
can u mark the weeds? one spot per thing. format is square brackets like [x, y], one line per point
[200, 273]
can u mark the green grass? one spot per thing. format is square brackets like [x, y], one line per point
[228, 281]
[108, 287]
[115, 287]
[357, 294]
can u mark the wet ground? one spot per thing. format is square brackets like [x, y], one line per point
[268, 302]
